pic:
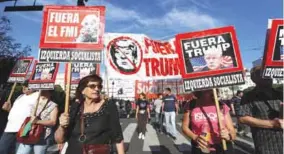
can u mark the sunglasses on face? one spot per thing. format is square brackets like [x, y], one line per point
[93, 86]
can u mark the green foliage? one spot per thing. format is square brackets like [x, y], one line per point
[58, 97]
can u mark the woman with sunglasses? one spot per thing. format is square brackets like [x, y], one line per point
[200, 123]
[92, 123]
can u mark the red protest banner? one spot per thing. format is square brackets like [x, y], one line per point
[43, 75]
[210, 58]
[73, 27]
[20, 69]
[274, 50]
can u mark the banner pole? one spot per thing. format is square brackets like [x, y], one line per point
[37, 103]
[67, 90]
[219, 116]
[11, 92]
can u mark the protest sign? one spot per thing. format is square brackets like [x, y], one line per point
[210, 59]
[274, 50]
[43, 76]
[20, 70]
[80, 70]
[68, 55]
[73, 27]
[146, 87]
[137, 57]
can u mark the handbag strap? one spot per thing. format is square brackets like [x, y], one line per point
[44, 107]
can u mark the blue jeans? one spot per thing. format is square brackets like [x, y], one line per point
[171, 127]
[7, 142]
[28, 148]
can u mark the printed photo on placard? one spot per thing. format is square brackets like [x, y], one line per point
[210, 54]
[80, 70]
[274, 50]
[43, 75]
[73, 27]
[20, 70]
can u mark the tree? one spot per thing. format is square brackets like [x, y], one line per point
[10, 50]
[58, 97]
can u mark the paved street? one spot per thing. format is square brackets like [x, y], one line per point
[156, 143]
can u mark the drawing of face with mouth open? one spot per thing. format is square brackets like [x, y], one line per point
[90, 29]
[126, 55]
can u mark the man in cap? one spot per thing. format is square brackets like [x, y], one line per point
[17, 114]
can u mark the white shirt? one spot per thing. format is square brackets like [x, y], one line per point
[20, 111]
[158, 105]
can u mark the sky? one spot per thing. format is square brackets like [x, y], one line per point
[163, 19]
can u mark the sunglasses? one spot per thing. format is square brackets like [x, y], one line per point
[93, 86]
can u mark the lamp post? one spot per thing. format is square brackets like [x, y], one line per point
[112, 88]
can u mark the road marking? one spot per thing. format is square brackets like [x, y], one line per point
[245, 141]
[128, 132]
[151, 142]
[63, 151]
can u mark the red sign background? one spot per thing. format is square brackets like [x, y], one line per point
[25, 74]
[44, 81]
[205, 33]
[56, 22]
[268, 60]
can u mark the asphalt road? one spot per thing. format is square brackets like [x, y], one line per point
[156, 143]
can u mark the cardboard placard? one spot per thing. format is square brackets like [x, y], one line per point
[80, 70]
[210, 59]
[20, 70]
[274, 52]
[43, 76]
[73, 27]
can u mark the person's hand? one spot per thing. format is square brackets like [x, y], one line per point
[64, 120]
[34, 119]
[225, 134]
[7, 106]
[201, 142]
[278, 123]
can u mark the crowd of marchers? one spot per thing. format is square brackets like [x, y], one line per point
[92, 124]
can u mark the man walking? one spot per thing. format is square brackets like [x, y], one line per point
[21, 109]
[170, 108]
[158, 113]
[260, 109]
[235, 107]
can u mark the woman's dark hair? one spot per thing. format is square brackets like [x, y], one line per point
[198, 94]
[83, 84]
[144, 95]
[239, 92]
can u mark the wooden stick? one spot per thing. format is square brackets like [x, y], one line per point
[12, 92]
[37, 102]
[67, 90]
[219, 116]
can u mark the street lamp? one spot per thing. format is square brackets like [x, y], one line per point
[112, 88]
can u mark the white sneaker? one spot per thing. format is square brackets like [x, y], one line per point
[143, 137]
[140, 136]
